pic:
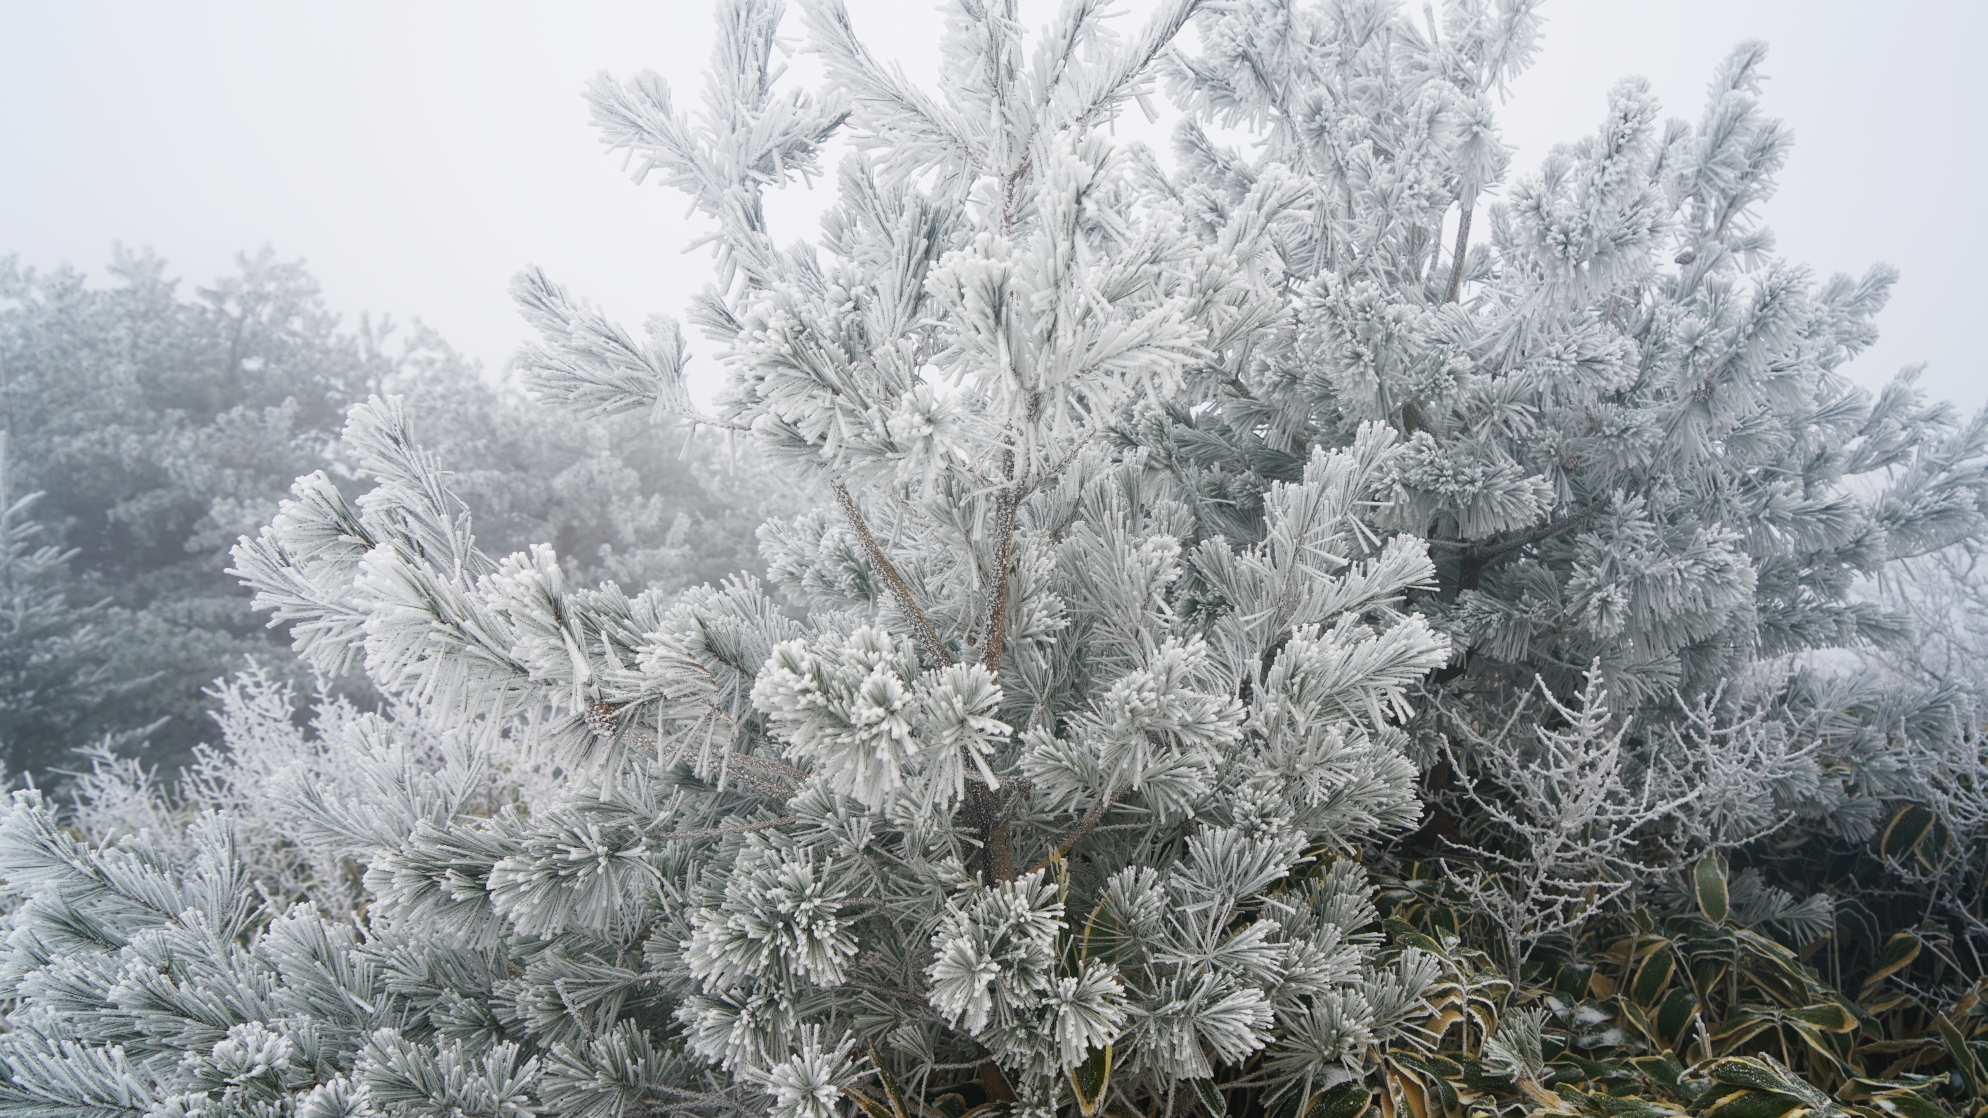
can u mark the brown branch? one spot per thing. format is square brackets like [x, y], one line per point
[1462, 248]
[1005, 508]
[720, 832]
[927, 636]
[986, 814]
[1091, 820]
[1474, 560]
[757, 783]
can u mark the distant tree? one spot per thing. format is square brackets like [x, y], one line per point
[56, 656]
[157, 427]
[619, 497]
[162, 427]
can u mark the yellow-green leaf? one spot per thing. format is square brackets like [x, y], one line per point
[1745, 1071]
[1573, 978]
[1905, 1104]
[1662, 1069]
[1709, 882]
[1091, 1079]
[1828, 1016]
[892, 1095]
[1907, 830]
[1100, 934]
[868, 1104]
[1752, 1104]
[1898, 953]
[1738, 1032]
[1652, 976]
[1347, 1100]
[1405, 934]
[1962, 1057]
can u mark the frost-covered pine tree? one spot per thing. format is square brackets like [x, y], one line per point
[1627, 434]
[986, 814]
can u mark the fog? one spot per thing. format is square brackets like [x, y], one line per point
[418, 154]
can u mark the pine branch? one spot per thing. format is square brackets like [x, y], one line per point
[1005, 508]
[921, 628]
[1476, 560]
[721, 832]
[1089, 824]
[1462, 249]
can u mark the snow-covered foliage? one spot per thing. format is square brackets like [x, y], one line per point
[1628, 436]
[265, 766]
[1166, 521]
[999, 814]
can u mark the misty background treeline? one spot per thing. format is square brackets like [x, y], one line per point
[151, 422]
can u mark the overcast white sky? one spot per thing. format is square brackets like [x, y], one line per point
[418, 153]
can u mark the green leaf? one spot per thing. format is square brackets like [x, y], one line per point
[1752, 1104]
[1709, 882]
[1091, 1079]
[1211, 1097]
[1652, 976]
[1907, 830]
[1898, 953]
[1347, 1100]
[1674, 1016]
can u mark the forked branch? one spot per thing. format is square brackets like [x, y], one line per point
[920, 626]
